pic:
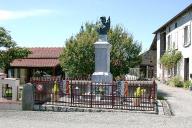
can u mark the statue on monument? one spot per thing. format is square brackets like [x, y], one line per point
[103, 25]
[102, 75]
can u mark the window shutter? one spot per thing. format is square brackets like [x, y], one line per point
[173, 41]
[168, 42]
[189, 34]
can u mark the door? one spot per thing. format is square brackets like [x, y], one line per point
[186, 69]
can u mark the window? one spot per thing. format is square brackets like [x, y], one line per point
[169, 29]
[173, 45]
[187, 37]
[178, 68]
[174, 40]
[18, 73]
[175, 70]
[176, 25]
[168, 42]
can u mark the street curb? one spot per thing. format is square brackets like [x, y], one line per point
[55, 108]
[166, 108]
[10, 105]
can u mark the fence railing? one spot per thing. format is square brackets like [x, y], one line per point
[126, 95]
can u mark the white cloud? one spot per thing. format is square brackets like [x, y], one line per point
[9, 15]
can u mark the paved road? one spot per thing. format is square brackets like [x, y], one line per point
[179, 99]
[15, 119]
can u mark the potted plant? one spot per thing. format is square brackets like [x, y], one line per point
[138, 95]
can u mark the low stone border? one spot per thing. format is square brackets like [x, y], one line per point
[164, 108]
[10, 105]
[77, 109]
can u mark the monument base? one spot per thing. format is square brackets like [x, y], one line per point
[102, 77]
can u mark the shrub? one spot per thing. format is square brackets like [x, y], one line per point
[176, 81]
[187, 84]
[170, 59]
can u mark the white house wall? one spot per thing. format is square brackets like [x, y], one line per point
[158, 56]
[177, 36]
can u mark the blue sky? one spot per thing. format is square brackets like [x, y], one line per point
[48, 23]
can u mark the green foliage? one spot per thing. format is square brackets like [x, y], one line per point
[139, 92]
[77, 58]
[5, 39]
[170, 59]
[11, 51]
[176, 81]
[187, 84]
[8, 93]
[125, 51]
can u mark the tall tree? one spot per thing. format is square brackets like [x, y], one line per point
[77, 58]
[78, 55]
[9, 49]
[125, 51]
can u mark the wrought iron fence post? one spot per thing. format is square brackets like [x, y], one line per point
[155, 87]
[112, 96]
[91, 94]
[155, 107]
[155, 90]
[71, 93]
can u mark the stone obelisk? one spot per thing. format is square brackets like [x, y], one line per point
[102, 55]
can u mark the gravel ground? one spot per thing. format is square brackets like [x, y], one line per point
[179, 99]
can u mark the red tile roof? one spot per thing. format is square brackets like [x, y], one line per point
[45, 52]
[40, 57]
[35, 63]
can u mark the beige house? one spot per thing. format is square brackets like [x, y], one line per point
[42, 61]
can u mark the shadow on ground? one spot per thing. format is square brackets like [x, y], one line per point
[161, 95]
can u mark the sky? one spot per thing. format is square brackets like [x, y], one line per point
[48, 23]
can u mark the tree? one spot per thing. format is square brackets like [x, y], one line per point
[125, 51]
[78, 55]
[77, 58]
[9, 49]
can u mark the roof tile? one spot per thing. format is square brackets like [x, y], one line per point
[40, 57]
[45, 52]
[35, 63]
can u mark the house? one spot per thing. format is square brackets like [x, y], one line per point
[149, 62]
[42, 61]
[175, 35]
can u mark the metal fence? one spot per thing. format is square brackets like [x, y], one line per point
[125, 95]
